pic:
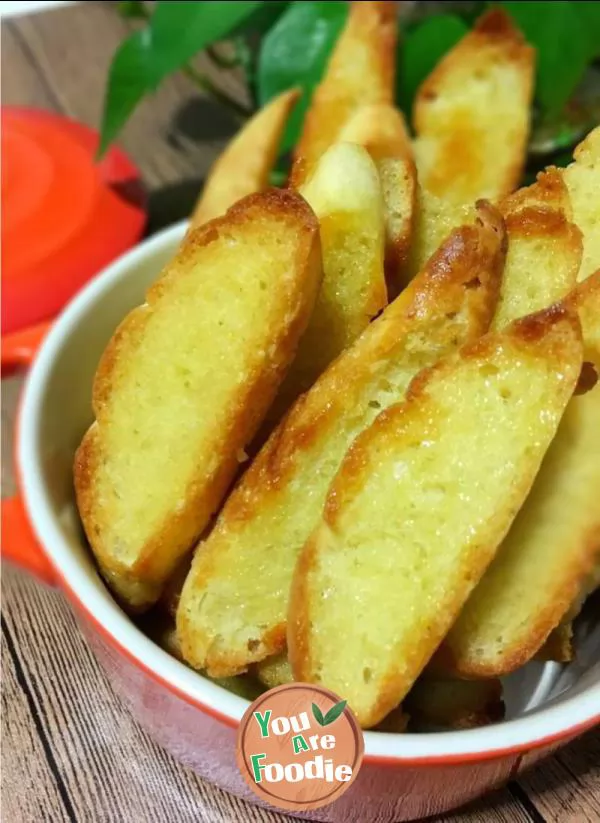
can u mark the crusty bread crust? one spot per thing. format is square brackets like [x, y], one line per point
[233, 607]
[244, 166]
[471, 114]
[361, 72]
[544, 248]
[368, 537]
[137, 547]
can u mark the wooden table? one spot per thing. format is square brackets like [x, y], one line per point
[70, 750]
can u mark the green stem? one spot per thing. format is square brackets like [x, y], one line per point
[208, 86]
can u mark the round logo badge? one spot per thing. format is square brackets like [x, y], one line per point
[299, 747]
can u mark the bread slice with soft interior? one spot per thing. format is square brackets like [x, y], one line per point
[471, 115]
[544, 248]
[344, 192]
[234, 603]
[184, 383]
[471, 118]
[422, 501]
[554, 541]
[361, 71]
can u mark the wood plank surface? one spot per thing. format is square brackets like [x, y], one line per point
[70, 750]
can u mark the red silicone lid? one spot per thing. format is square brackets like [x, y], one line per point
[64, 216]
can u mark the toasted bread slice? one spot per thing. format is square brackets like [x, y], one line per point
[381, 129]
[583, 181]
[277, 671]
[233, 607]
[184, 383]
[244, 166]
[162, 631]
[431, 703]
[419, 506]
[555, 540]
[544, 249]
[471, 115]
[453, 704]
[361, 71]
[345, 194]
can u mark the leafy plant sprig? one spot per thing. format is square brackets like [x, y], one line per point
[284, 44]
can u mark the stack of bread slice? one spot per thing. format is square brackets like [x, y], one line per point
[407, 348]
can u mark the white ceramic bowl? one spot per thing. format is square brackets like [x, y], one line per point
[404, 776]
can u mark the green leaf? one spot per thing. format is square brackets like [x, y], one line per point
[589, 14]
[295, 53]
[261, 20]
[557, 32]
[127, 84]
[334, 712]
[176, 32]
[318, 714]
[420, 51]
[179, 30]
[133, 9]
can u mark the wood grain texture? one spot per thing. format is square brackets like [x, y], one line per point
[70, 750]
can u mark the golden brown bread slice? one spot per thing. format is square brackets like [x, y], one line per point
[471, 117]
[245, 164]
[432, 702]
[381, 129]
[540, 566]
[345, 193]
[162, 631]
[419, 506]
[583, 181]
[184, 383]
[360, 72]
[471, 114]
[544, 248]
[453, 704]
[554, 541]
[233, 607]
